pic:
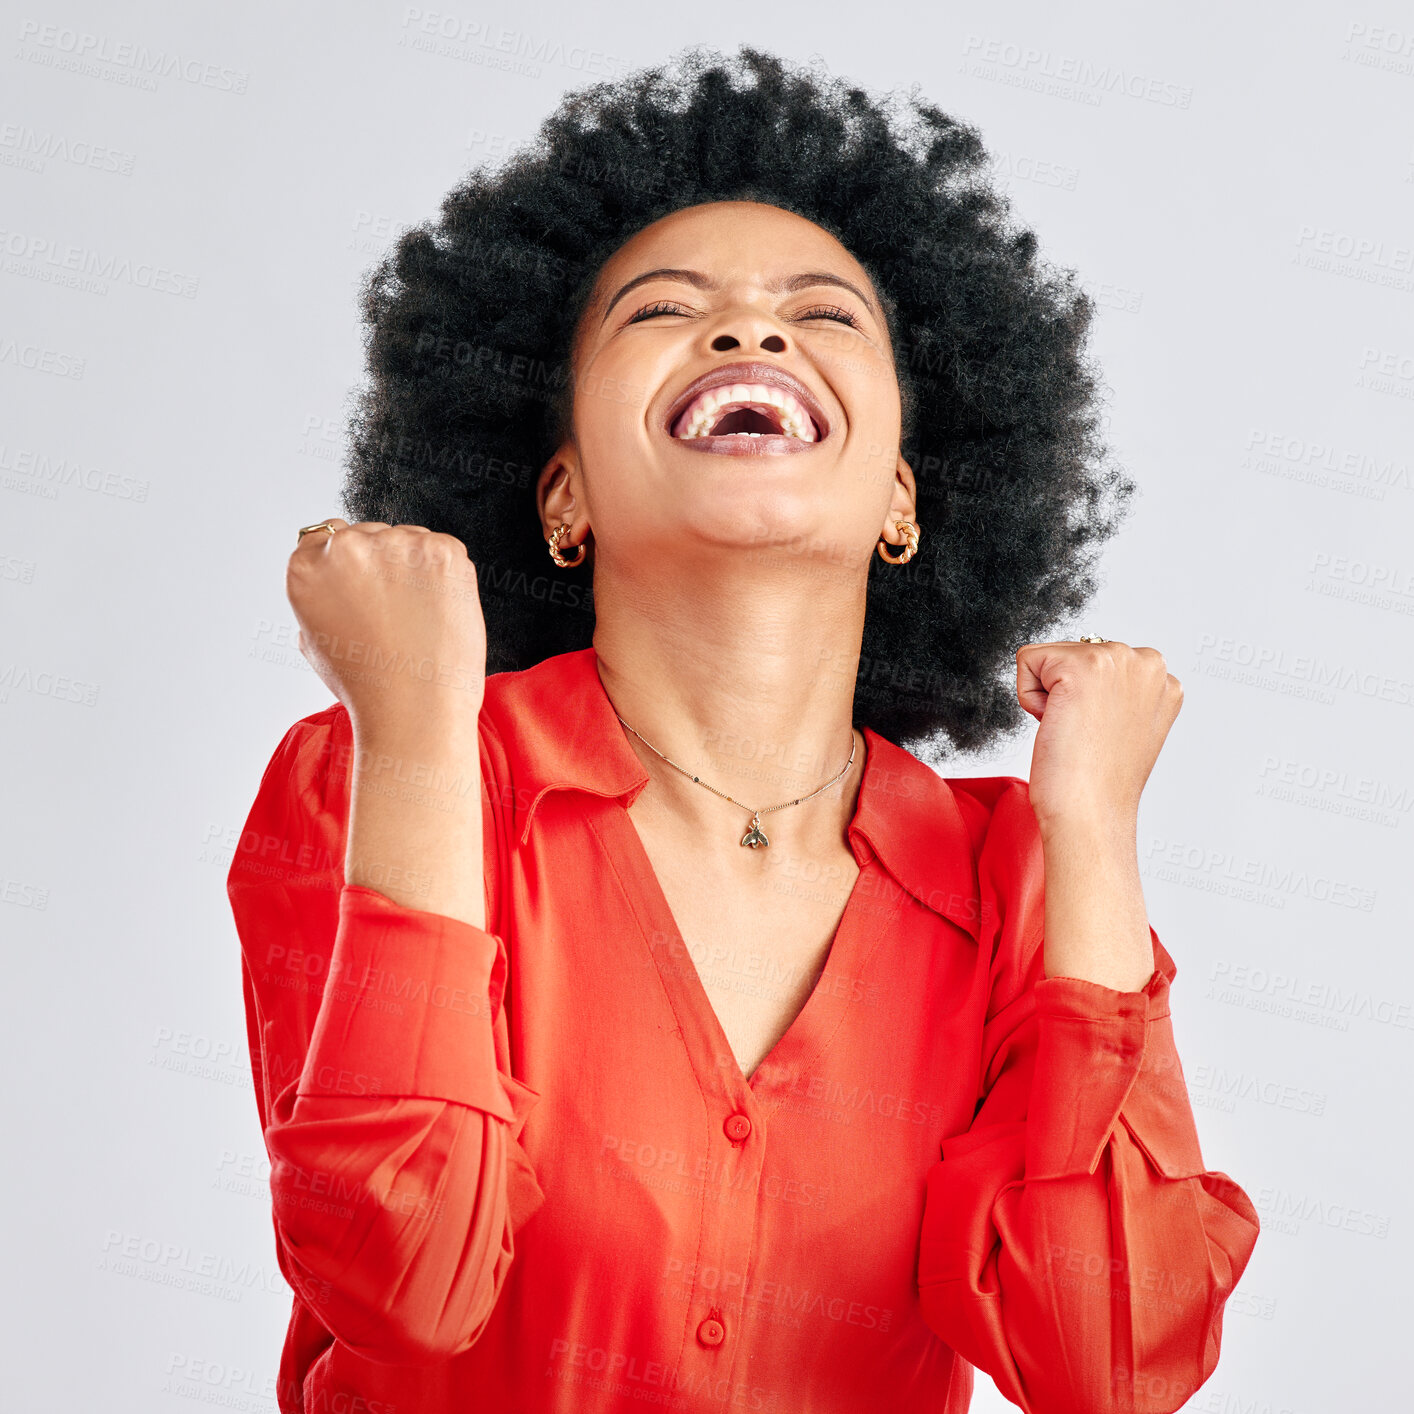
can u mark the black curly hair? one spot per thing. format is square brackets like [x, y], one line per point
[470, 322]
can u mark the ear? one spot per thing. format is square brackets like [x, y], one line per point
[555, 493]
[903, 504]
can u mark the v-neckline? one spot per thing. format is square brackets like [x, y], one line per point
[813, 1026]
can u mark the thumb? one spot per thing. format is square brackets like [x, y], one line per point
[1029, 690]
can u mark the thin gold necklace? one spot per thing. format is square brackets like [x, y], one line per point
[754, 837]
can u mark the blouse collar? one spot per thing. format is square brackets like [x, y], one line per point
[561, 732]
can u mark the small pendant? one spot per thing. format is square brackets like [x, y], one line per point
[754, 836]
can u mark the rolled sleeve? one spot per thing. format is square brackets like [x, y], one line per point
[1104, 1058]
[409, 1008]
[1079, 1184]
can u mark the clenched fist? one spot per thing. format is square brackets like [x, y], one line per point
[1105, 710]
[390, 618]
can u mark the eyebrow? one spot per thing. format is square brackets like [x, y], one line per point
[785, 285]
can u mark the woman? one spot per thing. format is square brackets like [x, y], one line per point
[642, 1022]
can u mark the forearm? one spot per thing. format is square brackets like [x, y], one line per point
[1084, 1294]
[1097, 926]
[390, 1217]
[415, 816]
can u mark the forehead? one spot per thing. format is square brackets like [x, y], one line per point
[734, 239]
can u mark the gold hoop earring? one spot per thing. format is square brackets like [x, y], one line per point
[558, 558]
[910, 538]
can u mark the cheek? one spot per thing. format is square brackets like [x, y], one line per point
[862, 375]
[870, 392]
[875, 381]
[611, 400]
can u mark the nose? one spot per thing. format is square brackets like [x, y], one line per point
[746, 328]
[772, 342]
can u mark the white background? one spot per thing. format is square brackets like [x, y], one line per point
[1241, 208]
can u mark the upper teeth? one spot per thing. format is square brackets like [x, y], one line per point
[705, 409]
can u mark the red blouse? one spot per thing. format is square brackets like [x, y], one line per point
[520, 1168]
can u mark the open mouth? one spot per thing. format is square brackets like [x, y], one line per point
[748, 420]
[748, 411]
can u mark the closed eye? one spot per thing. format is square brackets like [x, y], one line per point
[661, 307]
[824, 311]
[831, 311]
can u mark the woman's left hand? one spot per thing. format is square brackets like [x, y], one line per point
[1105, 710]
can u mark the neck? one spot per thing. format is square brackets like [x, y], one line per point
[750, 690]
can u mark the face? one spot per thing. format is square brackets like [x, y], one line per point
[660, 460]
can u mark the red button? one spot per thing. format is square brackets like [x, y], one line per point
[738, 1126]
[711, 1332]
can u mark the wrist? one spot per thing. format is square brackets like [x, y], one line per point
[1108, 830]
[438, 731]
[422, 711]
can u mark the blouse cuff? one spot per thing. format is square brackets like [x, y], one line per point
[408, 1008]
[1106, 1057]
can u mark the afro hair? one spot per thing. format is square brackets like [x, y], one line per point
[470, 322]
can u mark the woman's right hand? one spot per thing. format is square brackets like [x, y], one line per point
[390, 618]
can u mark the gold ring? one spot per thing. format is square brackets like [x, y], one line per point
[323, 525]
[1088, 638]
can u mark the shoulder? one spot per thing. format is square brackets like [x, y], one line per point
[993, 809]
[999, 809]
[983, 796]
[1000, 800]
[314, 760]
[1010, 877]
[527, 716]
[1009, 857]
[311, 774]
[962, 845]
[293, 832]
[305, 752]
[521, 703]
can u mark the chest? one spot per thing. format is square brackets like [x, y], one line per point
[802, 1227]
[758, 940]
